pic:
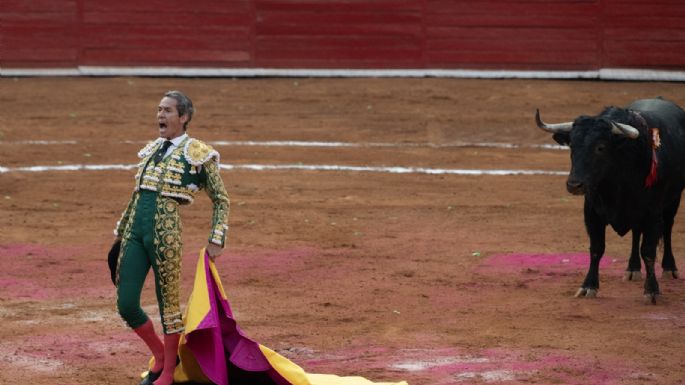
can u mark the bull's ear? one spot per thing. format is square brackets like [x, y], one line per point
[563, 138]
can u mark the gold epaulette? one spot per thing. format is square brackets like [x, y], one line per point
[150, 148]
[197, 152]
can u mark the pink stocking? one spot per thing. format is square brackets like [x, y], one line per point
[148, 335]
[170, 352]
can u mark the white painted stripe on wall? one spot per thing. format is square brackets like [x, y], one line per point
[603, 73]
[309, 72]
[298, 167]
[11, 72]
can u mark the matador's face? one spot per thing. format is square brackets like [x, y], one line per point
[170, 124]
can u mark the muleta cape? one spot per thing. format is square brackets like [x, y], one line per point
[214, 349]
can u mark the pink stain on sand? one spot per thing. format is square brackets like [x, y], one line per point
[452, 365]
[545, 263]
[269, 260]
[77, 351]
[40, 272]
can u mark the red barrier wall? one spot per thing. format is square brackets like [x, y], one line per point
[488, 34]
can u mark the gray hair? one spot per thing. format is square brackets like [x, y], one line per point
[183, 105]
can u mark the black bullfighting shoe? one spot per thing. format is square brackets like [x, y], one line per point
[150, 378]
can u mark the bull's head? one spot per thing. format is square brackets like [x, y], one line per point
[593, 142]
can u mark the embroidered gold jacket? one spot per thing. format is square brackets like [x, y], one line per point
[191, 167]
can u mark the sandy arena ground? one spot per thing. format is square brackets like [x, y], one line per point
[432, 278]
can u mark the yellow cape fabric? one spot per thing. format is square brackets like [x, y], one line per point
[199, 306]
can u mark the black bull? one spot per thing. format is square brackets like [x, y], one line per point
[629, 163]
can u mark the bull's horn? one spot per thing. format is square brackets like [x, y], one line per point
[553, 128]
[624, 129]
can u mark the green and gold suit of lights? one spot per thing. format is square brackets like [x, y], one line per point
[150, 227]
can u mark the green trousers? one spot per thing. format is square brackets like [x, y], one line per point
[152, 238]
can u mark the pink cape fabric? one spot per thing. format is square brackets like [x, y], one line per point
[215, 350]
[224, 353]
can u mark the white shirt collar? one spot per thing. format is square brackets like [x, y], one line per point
[177, 140]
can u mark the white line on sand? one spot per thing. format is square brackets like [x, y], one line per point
[297, 167]
[302, 143]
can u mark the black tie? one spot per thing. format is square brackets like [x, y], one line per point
[159, 155]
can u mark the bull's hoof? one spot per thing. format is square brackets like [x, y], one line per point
[586, 292]
[632, 275]
[670, 274]
[650, 298]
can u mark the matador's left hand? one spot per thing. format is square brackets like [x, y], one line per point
[213, 250]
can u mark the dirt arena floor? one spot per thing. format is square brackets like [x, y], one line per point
[430, 278]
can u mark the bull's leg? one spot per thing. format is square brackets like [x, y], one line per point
[596, 229]
[591, 283]
[634, 264]
[648, 251]
[668, 261]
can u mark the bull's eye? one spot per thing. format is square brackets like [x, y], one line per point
[600, 148]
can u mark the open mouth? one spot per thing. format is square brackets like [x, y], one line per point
[162, 125]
